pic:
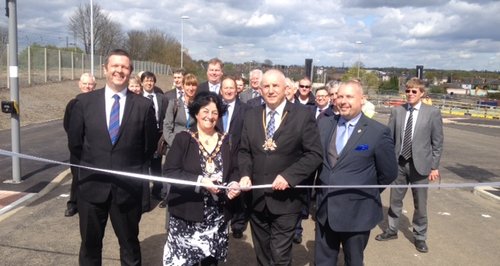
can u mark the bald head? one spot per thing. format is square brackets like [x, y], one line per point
[273, 88]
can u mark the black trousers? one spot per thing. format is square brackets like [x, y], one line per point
[125, 220]
[74, 185]
[272, 237]
[327, 246]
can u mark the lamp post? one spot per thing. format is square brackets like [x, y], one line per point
[359, 55]
[92, 37]
[182, 39]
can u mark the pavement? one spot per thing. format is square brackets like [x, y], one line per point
[33, 230]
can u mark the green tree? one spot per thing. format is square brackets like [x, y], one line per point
[389, 86]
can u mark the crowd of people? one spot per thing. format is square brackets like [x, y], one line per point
[239, 154]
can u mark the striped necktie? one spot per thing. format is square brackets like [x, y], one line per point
[406, 151]
[114, 119]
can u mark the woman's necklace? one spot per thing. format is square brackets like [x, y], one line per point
[209, 157]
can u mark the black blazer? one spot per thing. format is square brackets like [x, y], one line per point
[257, 101]
[203, 87]
[89, 142]
[183, 162]
[367, 159]
[297, 155]
[236, 125]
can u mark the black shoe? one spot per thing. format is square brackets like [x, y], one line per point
[297, 239]
[421, 246]
[163, 204]
[237, 234]
[70, 211]
[386, 236]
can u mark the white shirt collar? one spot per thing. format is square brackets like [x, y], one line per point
[279, 109]
[108, 92]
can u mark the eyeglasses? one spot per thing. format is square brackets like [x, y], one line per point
[321, 96]
[411, 91]
[333, 94]
[305, 86]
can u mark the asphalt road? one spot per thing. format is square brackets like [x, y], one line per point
[463, 226]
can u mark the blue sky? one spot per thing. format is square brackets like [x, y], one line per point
[446, 34]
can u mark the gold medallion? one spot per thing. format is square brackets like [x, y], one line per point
[269, 145]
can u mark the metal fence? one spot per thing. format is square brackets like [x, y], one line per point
[459, 106]
[41, 65]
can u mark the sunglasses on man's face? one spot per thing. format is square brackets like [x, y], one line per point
[305, 86]
[411, 91]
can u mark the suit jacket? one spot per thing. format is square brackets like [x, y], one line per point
[184, 163]
[175, 120]
[427, 142]
[246, 95]
[203, 87]
[162, 109]
[171, 94]
[236, 124]
[326, 113]
[297, 155]
[367, 159]
[257, 101]
[89, 142]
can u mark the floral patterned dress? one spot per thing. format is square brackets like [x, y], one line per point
[190, 242]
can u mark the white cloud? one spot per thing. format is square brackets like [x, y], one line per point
[438, 33]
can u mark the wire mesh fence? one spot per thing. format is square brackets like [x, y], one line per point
[38, 65]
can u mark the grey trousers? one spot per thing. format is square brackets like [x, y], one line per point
[408, 175]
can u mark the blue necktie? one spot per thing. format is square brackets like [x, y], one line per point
[270, 125]
[114, 119]
[342, 137]
[224, 119]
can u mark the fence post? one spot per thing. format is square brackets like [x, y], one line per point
[45, 63]
[83, 63]
[29, 65]
[100, 67]
[60, 66]
[72, 66]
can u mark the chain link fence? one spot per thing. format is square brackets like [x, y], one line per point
[42, 65]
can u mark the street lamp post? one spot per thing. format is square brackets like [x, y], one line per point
[182, 39]
[359, 55]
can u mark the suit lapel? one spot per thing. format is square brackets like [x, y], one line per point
[327, 138]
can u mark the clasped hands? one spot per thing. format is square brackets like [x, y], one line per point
[279, 183]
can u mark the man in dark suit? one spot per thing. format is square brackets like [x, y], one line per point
[86, 84]
[160, 103]
[357, 151]
[319, 111]
[254, 90]
[214, 76]
[280, 147]
[417, 130]
[176, 91]
[112, 128]
[232, 124]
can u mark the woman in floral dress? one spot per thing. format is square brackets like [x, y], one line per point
[199, 215]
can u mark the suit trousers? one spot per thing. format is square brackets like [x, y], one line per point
[74, 187]
[327, 246]
[272, 237]
[125, 220]
[408, 175]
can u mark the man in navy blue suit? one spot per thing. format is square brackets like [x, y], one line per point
[357, 151]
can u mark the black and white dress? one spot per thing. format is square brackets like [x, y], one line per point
[190, 242]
